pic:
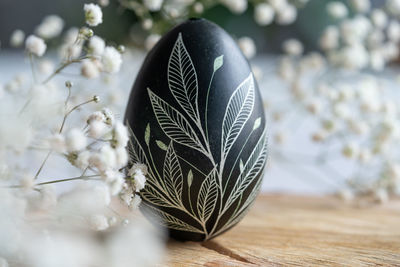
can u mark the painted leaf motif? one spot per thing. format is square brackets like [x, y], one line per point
[173, 174]
[190, 178]
[154, 196]
[207, 196]
[182, 79]
[136, 153]
[172, 222]
[174, 125]
[147, 134]
[257, 123]
[253, 166]
[218, 62]
[161, 145]
[238, 111]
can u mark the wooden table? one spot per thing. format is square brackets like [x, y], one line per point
[301, 231]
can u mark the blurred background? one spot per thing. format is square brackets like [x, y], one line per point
[327, 71]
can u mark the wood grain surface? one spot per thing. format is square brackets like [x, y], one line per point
[285, 230]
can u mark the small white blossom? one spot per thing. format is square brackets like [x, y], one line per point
[108, 157]
[139, 180]
[319, 136]
[109, 116]
[122, 157]
[198, 8]
[314, 106]
[287, 15]
[264, 14]
[153, 5]
[293, 47]
[96, 45]
[151, 41]
[393, 31]
[97, 129]
[137, 166]
[330, 38]
[247, 46]
[103, 3]
[50, 27]
[337, 9]
[93, 14]
[57, 143]
[89, 69]
[98, 222]
[111, 60]
[17, 38]
[120, 135]
[82, 160]
[135, 203]
[75, 140]
[379, 18]
[35, 45]
[147, 24]
[361, 6]
[235, 6]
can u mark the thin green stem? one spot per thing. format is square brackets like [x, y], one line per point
[206, 111]
[43, 163]
[32, 67]
[89, 177]
[69, 112]
[63, 66]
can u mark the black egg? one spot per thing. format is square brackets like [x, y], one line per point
[197, 122]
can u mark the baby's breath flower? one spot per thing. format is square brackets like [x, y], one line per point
[89, 69]
[35, 45]
[139, 180]
[235, 6]
[286, 15]
[108, 115]
[82, 160]
[50, 27]
[17, 38]
[57, 143]
[264, 14]
[96, 45]
[98, 222]
[75, 140]
[247, 46]
[122, 157]
[111, 60]
[120, 135]
[361, 6]
[293, 47]
[198, 8]
[337, 9]
[153, 5]
[379, 18]
[97, 129]
[93, 14]
[104, 3]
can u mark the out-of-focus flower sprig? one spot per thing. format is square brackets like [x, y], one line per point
[362, 37]
[351, 112]
[158, 16]
[40, 120]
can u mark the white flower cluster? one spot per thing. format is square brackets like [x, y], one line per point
[367, 39]
[154, 15]
[45, 126]
[356, 117]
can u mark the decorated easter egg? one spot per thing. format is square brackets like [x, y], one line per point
[197, 122]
